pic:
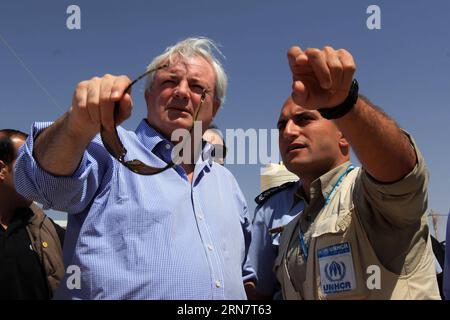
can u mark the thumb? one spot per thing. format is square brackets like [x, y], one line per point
[300, 93]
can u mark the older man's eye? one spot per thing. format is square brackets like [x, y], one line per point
[168, 82]
[197, 88]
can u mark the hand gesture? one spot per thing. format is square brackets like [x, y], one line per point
[93, 105]
[321, 78]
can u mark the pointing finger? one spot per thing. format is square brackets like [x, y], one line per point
[318, 63]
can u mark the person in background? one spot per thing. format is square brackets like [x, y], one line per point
[274, 210]
[439, 259]
[31, 264]
[446, 284]
[215, 138]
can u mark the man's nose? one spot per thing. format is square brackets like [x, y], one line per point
[291, 129]
[182, 90]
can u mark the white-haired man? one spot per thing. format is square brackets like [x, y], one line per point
[179, 234]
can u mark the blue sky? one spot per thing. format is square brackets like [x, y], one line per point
[403, 67]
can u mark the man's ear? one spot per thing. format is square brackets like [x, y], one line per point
[343, 143]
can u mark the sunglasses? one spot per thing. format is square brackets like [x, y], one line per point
[115, 147]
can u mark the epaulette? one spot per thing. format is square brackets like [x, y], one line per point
[270, 192]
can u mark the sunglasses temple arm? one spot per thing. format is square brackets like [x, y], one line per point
[202, 99]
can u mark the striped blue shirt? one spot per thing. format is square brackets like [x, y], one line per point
[144, 237]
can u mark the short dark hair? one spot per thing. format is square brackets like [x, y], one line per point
[216, 129]
[11, 133]
[7, 152]
[213, 126]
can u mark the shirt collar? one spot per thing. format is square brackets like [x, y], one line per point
[323, 185]
[148, 136]
[160, 146]
[328, 180]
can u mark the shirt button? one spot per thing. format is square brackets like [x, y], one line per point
[210, 247]
[218, 284]
[200, 217]
[167, 146]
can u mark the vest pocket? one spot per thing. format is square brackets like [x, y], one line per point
[335, 223]
[338, 272]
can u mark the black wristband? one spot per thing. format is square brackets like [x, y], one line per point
[342, 109]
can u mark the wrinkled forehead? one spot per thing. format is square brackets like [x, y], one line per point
[195, 66]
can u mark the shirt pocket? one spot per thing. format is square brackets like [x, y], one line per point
[335, 224]
[340, 273]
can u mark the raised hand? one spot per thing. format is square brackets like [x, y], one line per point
[321, 78]
[93, 105]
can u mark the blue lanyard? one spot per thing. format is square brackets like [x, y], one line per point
[327, 200]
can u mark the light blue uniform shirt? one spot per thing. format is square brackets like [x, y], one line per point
[446, 284]
[274, 212]
[144, 237]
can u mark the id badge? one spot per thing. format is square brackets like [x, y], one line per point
[337, 273]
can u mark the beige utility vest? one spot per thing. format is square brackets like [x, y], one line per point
[338, 225]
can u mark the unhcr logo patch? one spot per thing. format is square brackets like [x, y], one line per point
[336, 269]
